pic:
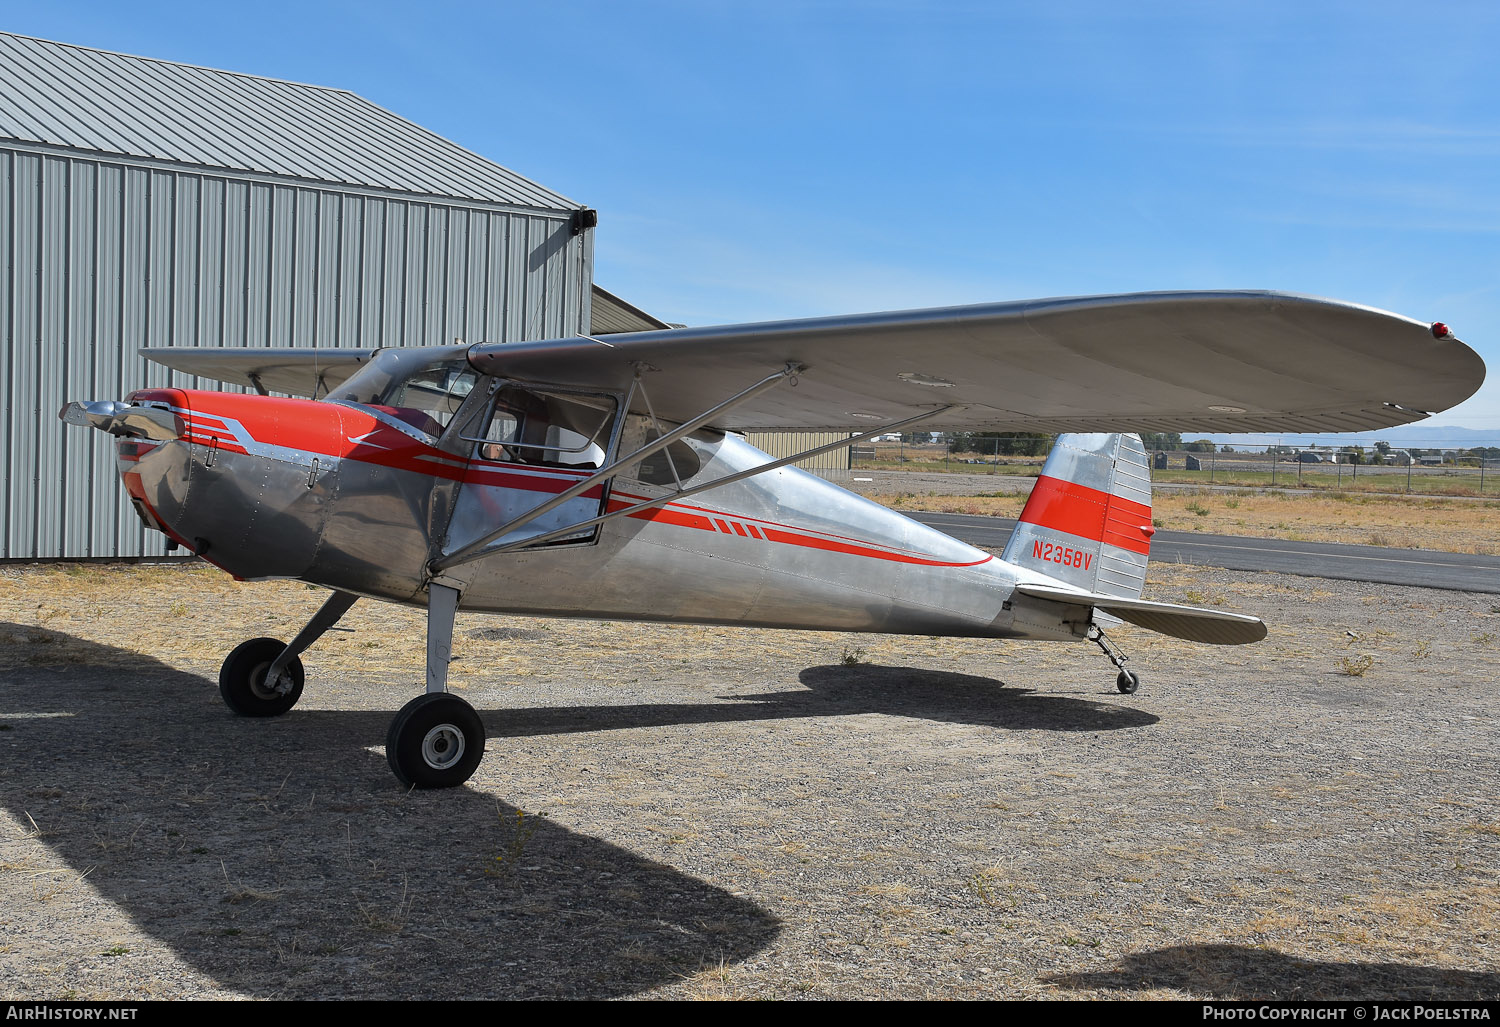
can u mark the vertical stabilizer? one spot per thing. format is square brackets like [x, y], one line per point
[1088, 521]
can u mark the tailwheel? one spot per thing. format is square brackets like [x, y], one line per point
[244, 684]
[1128, 680]
[436, 741]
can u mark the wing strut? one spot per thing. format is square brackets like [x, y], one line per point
[672, 497]
[477, 547]
[485, 546]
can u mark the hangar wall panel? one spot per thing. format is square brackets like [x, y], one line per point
[833, 465]
[103, 257]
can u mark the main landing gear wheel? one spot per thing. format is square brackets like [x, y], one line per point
[1128, 682]
[243, 685]
[436, 741]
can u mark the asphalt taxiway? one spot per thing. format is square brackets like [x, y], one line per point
[1424, 568]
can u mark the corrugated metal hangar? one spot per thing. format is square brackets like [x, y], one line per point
[147, 203]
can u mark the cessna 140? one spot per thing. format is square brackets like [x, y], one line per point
[605, 478]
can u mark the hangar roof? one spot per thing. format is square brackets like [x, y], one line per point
[58, 94]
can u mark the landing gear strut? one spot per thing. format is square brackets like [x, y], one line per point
[1128, 680]
[437, 739]
[263, 677]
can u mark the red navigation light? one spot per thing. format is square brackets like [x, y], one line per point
[1441, 331]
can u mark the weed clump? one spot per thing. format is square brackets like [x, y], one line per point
[1356, 666]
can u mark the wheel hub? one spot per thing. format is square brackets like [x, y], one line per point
[443, 746]
[261, 686]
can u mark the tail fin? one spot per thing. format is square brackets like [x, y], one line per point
[1088, 521]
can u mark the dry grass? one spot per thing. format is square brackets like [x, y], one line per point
[994, 504]
[688, 812]
[1447, 524]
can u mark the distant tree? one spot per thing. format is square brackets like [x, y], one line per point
[1383, 448]
[1199, 446]
[1033, 444]
[990, 443]
[1155, 440]
[1226, 449]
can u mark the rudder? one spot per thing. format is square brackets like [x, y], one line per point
[1088, 520]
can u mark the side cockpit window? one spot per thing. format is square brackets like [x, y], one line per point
[550, 429]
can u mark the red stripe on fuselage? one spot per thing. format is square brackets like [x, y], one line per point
[1088, 513]
[665, 515]
[349, 432]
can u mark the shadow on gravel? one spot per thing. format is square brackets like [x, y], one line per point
[965, 699]
[841, 691]
[1236, 972]
[216, 836]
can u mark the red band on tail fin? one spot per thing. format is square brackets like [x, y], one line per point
[1089, 513]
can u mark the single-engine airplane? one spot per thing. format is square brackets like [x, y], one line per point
[606, 478]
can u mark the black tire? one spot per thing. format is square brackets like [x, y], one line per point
[242, 679]
[436, 741]
[1128, 682]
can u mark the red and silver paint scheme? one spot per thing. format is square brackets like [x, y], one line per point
[350, 498]
[353, 498]
[578, 478]
[1087, 521]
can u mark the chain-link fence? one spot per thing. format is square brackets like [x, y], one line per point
[1427, 467]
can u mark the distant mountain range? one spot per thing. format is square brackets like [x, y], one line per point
[1406, 437]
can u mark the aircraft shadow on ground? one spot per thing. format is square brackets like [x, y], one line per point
[844, 690]
[277, 857]
[1237, 972]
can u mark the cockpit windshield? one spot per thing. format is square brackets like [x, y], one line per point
[420, 388]
[421, 391]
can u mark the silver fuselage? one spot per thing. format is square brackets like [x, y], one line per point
[338, 495]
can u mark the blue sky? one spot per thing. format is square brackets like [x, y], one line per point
[753, 161]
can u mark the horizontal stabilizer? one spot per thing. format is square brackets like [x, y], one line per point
[295, 372]
[1190, 622]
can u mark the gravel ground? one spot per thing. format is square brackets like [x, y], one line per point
[670, 812]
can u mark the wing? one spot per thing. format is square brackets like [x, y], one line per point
[296, 372]
[1212, 362]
